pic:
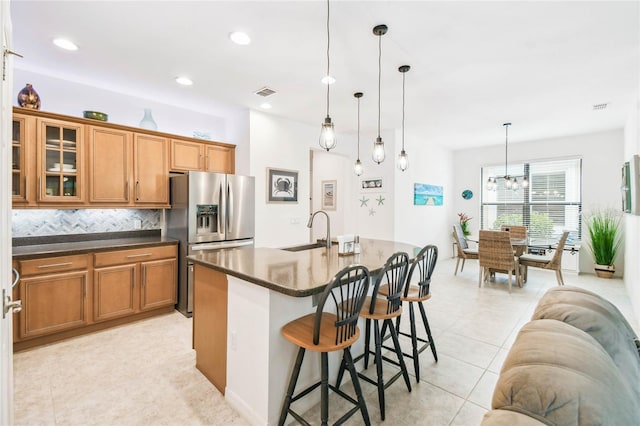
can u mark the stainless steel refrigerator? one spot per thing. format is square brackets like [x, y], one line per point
[209, 211]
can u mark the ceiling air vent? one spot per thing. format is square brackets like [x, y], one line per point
[599, 106]
[265, 91]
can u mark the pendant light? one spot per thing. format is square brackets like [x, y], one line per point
[357, 167]
[403, 157]
[327, 134]
[509, 182]
[378, 146]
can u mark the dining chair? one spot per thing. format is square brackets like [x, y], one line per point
[495, 254]
[330, 330]
[517, 232]
[553, 263]
[464, 251]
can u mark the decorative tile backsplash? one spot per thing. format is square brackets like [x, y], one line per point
[36, 223]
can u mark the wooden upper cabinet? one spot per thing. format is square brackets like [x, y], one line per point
[71, 162]
[202, 156]
[186, 156]
[221, 159]
[109, 165]
[60, 165]
[150, 169]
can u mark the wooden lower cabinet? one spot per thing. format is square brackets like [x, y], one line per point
[114, 292]
[125, 284]
[53, 303]
[158, 284]
[65, 296]
[210, 324]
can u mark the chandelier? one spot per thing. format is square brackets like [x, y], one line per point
[509, 182]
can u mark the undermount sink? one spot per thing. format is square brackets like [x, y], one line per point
[317, 244]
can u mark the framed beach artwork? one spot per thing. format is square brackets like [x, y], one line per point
[371, 185]
[329, 194]
[282, 186]
[427, 195]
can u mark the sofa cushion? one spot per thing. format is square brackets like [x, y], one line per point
[509, 418]
[560, 375]
[599, 318]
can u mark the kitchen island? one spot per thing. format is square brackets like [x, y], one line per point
[244, 296]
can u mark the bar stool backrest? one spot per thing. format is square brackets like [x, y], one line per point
[422, 265]
[393, 274]
[347, 292]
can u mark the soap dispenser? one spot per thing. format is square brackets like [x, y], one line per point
[356, 245]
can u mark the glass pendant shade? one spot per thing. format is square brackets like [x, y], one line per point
[403, 160]
[328, 135]
[378, 151]
[357, 167]
[525, 182]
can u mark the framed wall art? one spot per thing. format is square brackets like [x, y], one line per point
[282, 186]
[427, 195]
[329, 194]
[371, 184]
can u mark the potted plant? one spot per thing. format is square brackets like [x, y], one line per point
[464, 224]
[605, 240]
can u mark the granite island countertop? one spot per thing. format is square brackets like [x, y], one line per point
[298, 273]
[47, 247]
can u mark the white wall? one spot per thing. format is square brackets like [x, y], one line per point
[632, 222]
[602, 157]
[281, 143]
[421, 225]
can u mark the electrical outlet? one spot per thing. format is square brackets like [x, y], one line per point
[137, 224]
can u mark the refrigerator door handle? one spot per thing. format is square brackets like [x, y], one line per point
[229, 208]
[222, 213]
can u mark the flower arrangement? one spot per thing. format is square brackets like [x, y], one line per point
[464, 223]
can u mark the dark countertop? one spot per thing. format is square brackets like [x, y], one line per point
[300, 273]
[46, 247]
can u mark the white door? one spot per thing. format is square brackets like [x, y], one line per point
[6, 324]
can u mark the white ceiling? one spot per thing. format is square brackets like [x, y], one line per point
[474, 65]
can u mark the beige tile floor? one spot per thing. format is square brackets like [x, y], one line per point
[144, 374]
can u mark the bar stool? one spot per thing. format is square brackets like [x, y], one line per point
[422, 265]
[328, 332]
[383, 309]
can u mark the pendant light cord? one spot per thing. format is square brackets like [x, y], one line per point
[403, 76]
[328, 60]
[379, 71]
[358, 128]
[506, 138]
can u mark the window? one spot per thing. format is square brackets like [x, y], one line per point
[550, 205]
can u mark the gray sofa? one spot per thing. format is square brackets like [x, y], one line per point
[575, 363]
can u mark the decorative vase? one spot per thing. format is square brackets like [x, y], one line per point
[147, 121]
[605, 271]
[28, 97]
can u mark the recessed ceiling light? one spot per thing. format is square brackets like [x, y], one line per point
[185, 81]
[65, 44]
[327, 79]
[239, 37]
[265, 105]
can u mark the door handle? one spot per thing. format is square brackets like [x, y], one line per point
[229, 208]
[7, 303]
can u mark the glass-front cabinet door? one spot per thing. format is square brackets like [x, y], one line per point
[23, 159]
[60, 165]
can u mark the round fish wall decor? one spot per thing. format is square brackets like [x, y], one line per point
[467, 194]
